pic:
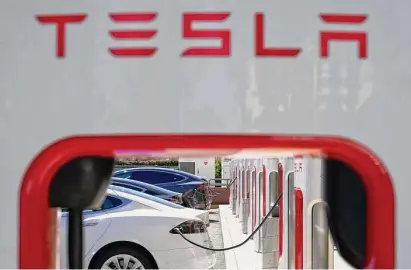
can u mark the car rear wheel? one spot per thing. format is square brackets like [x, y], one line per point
[122, 258]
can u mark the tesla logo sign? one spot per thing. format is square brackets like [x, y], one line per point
[133, 34]
[205, 162]
[261, 49]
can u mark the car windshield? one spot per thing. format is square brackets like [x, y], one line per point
[145, 196]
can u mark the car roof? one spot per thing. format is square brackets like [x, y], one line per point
[144, 185]
[160, 169]
[141, 197]
[147, 213]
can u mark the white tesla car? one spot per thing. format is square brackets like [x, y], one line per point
[126, 234]
[161, 204]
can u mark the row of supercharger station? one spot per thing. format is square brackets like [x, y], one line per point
[296, 234]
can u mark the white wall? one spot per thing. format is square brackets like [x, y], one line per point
[204, 166]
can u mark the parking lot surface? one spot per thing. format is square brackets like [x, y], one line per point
[243, 257]
[216, 235]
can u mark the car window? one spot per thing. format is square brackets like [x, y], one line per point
[143, 176]
[156, 177]
[109, 202]
[146, 196]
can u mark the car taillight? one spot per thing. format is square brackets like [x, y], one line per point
[190, 227]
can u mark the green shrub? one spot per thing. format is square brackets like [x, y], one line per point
[132, 161]
[218, 168]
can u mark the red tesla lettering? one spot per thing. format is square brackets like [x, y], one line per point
[60, 21]
[223, 35]
[261, 50]
[133, 34]
[327, 36]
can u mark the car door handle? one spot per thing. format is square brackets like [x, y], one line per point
[90, 224]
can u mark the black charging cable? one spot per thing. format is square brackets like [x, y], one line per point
[177, 230]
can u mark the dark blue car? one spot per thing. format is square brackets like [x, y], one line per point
[192, 186]
[150, 189]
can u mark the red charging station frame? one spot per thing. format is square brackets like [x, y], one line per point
[264, 191]
[255, 196]
[235, 183]
[248, 191]
[38, 222]
[280, 205]
[243, 193]
[299, 227]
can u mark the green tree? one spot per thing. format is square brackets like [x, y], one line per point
[217, 167]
